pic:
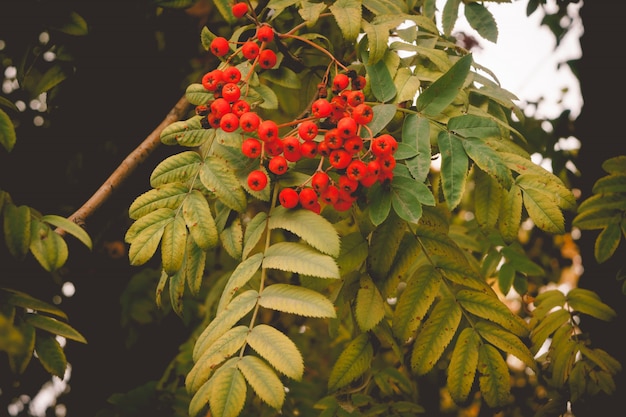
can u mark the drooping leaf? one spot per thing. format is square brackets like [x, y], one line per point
[347, 13]
[481, 19]
[17, 229]
[195, 262]
[50, 354]
[222, 349]
[507, 342]
[218, 177]
[596, 218]
[263, 381]
[173, 243]
[199, 220]
[188, 133]
[353, 362]
[200, 400]
[296, 300]
[543, 212]
[612, 183]
[510, 214]
[435, 335]
[312, 228]
[177, 283]
[384, 242]
[489, 307]
[487, 199]
[27, 301]
[54, 326]
[69, 227]
[178, 168]
[169, 196]
[228, 393]
[232, 238]
[255, 229]
[519, 260]
[18, 341]
[224, 320]
[547, 327]
[145, 234]
[7, 132]
[416, 132]
[414, 302]
[278, 350]
[301, 259]
[380, 80]
[494, 377]
[563, 362]
[488, 160]
[441, 93]
[454, 165]
[240, 277]
[463, 363]
[607, 242]
[47, 246]
[370, 306]
[587, 302]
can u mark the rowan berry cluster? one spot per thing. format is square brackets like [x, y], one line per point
[334, 131]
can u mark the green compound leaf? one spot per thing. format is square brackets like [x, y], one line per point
[232, 239]
[173, 243]
[547, 326]
[507, 342]
[449, 15]
[50, 354]
[542, 209]
[377, 39]
[69, 227]
[494, 376]
[370, 306]
[407, 197]
[488, 196]
[607, 242]
[383, 114]
[222, 349]
[347, 13]
[415, 301]
[380, 80]
[195, 261]
[169, 196]
[416, 132]
[296, 300]
[8, 138]
[178, 168]
[454, 164]
[488, 160]
[225, 320]
[481, 20]
[312, 228]
[218, 177]
[145, 234]
[588, 302]
[196, 94]
[435, 335]
[16, 227]
[379, 199]
[188, 133]
[353, 362]
[199, 220]
[54, 326]
[463, 363]
[228, 393]
[47, 246]
[510, 214]
[489, 307]
[277, 349]
[613, 183]
[20, 299]
[263, 381]
[441, 93]
[301, 259]
[240, 277]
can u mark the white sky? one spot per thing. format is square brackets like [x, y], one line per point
[524, 59]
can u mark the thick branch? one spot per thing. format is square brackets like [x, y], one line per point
[128, 165]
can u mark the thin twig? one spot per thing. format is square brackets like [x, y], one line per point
[128, 165]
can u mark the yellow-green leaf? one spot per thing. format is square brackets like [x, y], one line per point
[489, 306]
[353, 362]
[169, 196]
[277, 349]
[50, 354]
[370, 306]
[607, 242]
[312, 228]
[494, 379]
[487, 199]
[173, 243]
[300, 258]
[178, 168]
[228, 393]
[195, 261]
[16, 227]
[263, 381]
[218, 177]
[232, 238]
[463, 363]
[507, 342]
[189, 133]
[18, 342]
[435, 335]
[21, 299]
[7, 132]
[54, 326]
[510, 214]
[296, 300]
[347, 13]
[587, 302]
[548, 326]
[199, 220]
[47, 246]
[255, 229]
[69, 227]
[145, 235]
[240, 277]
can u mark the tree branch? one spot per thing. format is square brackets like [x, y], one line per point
[128, 165]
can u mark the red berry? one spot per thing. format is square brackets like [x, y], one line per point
[211, 79]
[363, 114]
[267, 59]
[332, 139]
[213, 120]
[353, 145]
[356, 170]
[368, 180]
[355, 97]
[250, 50]
[288, 198]
[339, 158]
[291, 149]
[387, 163]
[268, 129]
[347, 127]
[347, 184]
[229, 122]
[308, 149]
[274, 147]
[240, 107]
[231, 92]
[330, 195]
[320, 181]
[321, 108]
[358, 83]
[251, 148]
[220, 107]
[239, 9]
[383, 145]
[278, 165]
[219, 46]
[307, 130]
[323, 149]
[340, 82]
[373, 167]
[249, 121]
[257, 180]
[232, 75]
[308, 197]
[265, 33]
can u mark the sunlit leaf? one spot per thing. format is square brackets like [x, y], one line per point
[47, 246]
[481, 20]
[347, 13]
[441, 93]
[416, 132]
[587, 302]
[370, 306]
[296, 300]
[507, 342]
[178, 168]
[263, 380]
[380, 80]
[173, 244]
[491, 308]
[199, 220]
[232, 239]
[169, 196]
[487, 199]
[353, 362]
[228, 393]
[240, 277]
[488, 160]
[69, 227]
[463, 363]
[54, 326]
[301, 259]
[145, 235]
[510, 214]
[218, 177]
[277, 349]
[494, 377]
[188, 133]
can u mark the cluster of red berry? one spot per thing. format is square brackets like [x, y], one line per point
[336, 129]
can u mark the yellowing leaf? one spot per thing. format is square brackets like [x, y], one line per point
[300, 258]
[296, 300]
[145, 234]
[487, 199]
[178, 168]
[169, 196]
[278, 349]
[47, 246]
[228, 392]
[489, 307]
[370, 306]
[263, 381]
[188, 133]
[463, 363]
[173, 243]
[54, 326]
[507, 342]
[199, 220]
[607, 242]
[240, 277]
[16, 227]
[510, 214]
[353, 362]
[219, 178]
[347, 13]
[494, 379]
[587, 302]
